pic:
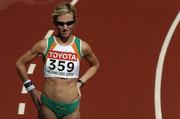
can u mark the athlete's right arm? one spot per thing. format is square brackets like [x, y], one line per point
[37, 49]
[28, 56]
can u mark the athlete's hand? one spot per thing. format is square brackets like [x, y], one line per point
[36, 96]
[79, 91]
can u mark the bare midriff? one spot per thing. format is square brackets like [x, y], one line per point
[61, 90]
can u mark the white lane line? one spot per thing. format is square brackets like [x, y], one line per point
[159, 68]
[73, 2]
[31, 68]
[21, 108]
[23, 91]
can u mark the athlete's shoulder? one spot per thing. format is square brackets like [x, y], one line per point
[81, 40]
[85, 44]
[85, 47]
[40, 46]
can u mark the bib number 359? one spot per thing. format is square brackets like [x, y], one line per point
[61, 65]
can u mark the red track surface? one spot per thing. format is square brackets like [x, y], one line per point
[125, 35]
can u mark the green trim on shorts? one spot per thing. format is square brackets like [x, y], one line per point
[60, 109]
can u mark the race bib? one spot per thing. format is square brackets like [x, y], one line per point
[62, 64]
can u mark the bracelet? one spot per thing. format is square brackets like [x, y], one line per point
[81, 82]
[28, 85]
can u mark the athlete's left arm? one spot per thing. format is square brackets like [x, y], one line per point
[91, 59]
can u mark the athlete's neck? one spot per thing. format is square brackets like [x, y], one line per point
[64, 39]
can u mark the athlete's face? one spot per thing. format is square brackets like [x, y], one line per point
[65, 24]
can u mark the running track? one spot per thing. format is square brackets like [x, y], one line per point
[126, 36]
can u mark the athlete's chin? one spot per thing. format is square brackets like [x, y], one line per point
[66, 35]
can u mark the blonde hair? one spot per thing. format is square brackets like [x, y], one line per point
[63, 8]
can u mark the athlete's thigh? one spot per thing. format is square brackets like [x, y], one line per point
[74, 115]
[46, 113]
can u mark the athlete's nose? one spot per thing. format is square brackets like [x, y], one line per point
[65, 26]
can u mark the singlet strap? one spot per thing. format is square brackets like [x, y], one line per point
[78, 45]
[50, 41]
